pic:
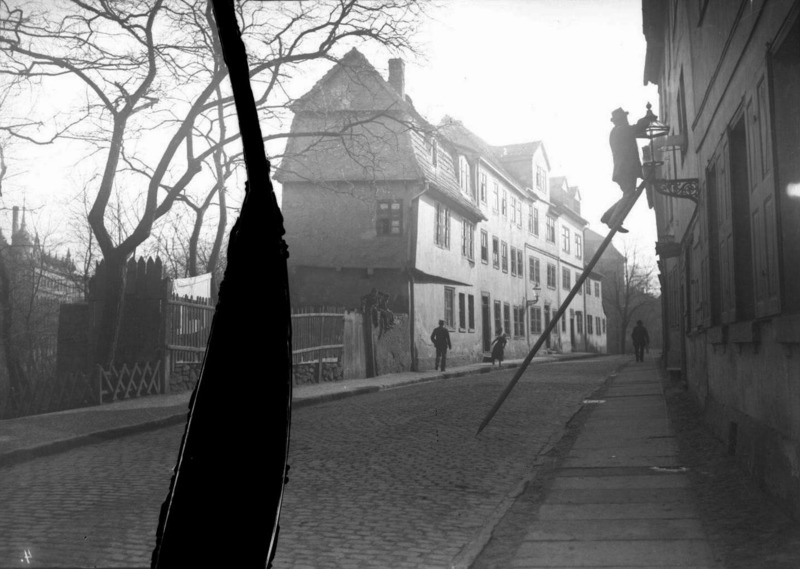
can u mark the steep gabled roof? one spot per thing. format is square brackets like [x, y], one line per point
[466, 140]
[521, 150]
[353, 126]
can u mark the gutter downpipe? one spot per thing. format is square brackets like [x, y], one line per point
[412, 238]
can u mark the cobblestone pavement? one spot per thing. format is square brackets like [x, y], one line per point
[391, 479]
[398, 479]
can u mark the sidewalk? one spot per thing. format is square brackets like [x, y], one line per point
[38, 435]
[617, 496]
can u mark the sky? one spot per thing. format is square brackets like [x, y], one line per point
[512, 71]
[552, 70]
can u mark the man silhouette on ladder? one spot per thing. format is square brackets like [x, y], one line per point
[627, 165]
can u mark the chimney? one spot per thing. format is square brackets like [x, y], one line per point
[15, 220]
[397, 76]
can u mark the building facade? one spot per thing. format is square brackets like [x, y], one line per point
[729, 257]
[449, 227]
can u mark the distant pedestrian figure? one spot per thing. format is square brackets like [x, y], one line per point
[498, 351]
[441, 339]
[627, 165]
[641, 339]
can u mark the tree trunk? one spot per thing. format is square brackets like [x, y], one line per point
[112, 285]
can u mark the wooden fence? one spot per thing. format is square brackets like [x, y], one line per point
[187, 325]
[317, 336]
[66, 391]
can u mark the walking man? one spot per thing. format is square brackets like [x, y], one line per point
[627, 165]
[641, 339]
[441, 339]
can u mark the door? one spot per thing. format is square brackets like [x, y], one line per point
[486, 321]
[547, 324]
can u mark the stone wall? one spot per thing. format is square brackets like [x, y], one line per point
[184, 376]
[307, 373]
[393, 349]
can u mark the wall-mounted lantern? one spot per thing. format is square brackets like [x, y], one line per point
[671, 186]
[536, 290]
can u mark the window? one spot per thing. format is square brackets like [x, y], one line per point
[467, 239]
[513, 210]
[588, 286]
[495, 252]
[536, 221]
[495, 197]
[580, 288]
[578, 246]
[441, 235]
[507, 317]
[551, 229]
[563, 324]
[589, 327]
[536, 320]
[551, 275]
[533, 269]
[597, 289]
[565, 239]
[462, 312]
[579, 321]
[597, 325]
[389, 217]
[519, 321]
[682, 124]
[541, 179]
[519, 214]
[566, 278]
[463, 174]
[484, 246]
[498, 319]
[530, 218]
[471, 312]
[449, 299]
[513, 261]
[504, 255]
[504, 204]
[482, 189]
[520, 268]
[604, 325]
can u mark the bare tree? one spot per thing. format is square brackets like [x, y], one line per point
[153, 78]
[630, 291]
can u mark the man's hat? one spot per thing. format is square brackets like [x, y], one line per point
[441, 322]
[618, 113]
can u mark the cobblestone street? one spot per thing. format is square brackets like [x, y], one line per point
[390, 479]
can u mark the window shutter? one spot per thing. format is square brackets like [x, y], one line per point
[725, 232]
[762, 204]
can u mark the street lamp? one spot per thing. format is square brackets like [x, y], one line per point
[536, 290]
[675, 187]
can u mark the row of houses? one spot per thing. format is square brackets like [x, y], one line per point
[449, 227]
[728, 234]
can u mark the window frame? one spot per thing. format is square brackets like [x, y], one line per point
[449, 311]
[391, 214]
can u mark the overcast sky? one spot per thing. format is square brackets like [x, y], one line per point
[550, 70]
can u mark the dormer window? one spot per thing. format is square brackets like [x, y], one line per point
[463, 174]
[541, 179]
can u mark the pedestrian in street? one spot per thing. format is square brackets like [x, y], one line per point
[641, 340]
[627, 165]
[499, 348]
[441, 339]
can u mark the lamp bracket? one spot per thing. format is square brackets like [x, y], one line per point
[688, 188]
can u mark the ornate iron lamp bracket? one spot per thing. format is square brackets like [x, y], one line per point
[681, 188]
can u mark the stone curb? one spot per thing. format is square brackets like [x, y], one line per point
[24, 454]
